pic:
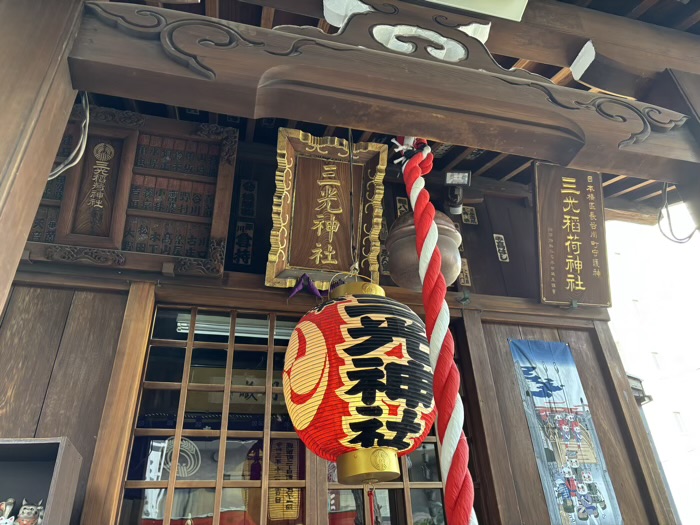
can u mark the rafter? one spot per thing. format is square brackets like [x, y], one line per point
[517, 170]
[458, 159]
[634, 187]
[324, 26]
[366, 136]
[689, 21]
[641, 8]
[490, 164]
[267, 18]
[527, 65]
[211, 8]
[329, 131]
[653, 194]
[563, 77]
[613, 180]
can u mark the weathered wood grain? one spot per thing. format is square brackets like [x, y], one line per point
[521, 453]
[76, 392]
[37, 104]
[103, 496]
[29, 342]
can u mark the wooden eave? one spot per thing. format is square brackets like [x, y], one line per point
[194, 61]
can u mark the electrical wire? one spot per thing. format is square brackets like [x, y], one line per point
[79, 150]
[664, 206]
[353, 235]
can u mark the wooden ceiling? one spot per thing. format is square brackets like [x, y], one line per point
[683, 15]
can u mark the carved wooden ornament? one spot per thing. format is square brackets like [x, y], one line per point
[317, 202]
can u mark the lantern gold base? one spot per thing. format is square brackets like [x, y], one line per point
[368, 465]
[358, 288]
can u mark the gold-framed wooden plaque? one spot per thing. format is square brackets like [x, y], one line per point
[313, 212]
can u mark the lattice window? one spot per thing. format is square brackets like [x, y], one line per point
[215, 402]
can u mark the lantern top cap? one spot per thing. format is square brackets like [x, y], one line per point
[357, 288]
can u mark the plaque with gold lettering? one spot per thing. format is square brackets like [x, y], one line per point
[571, 232]
[97, 190]
[327, 210]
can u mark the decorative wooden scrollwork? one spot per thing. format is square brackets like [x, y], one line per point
[75, 253]
[652, 118]
[227, 136]
[406, 29]
[151, 25]
[211, 266]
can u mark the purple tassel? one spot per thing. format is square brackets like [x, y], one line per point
[305, 283]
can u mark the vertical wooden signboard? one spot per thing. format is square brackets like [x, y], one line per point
[571, 233]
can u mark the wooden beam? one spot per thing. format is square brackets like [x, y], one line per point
[641, 8]
[522, 63]
[324, 26]
[267, 19]
[563, 77]
[364, 89]
[105, 485]
[517, 170]
[628, 211]
[490, 164]
[38, 97]
[633, 187]
[688, 21]
[555, 32]
[310, 8]
[613, 180]
[458, 159]
[366, 136]
[615, 208]
[328, 132]
[655, 193]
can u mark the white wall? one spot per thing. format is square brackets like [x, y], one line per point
[656, 324]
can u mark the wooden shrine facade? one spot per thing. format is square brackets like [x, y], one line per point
[97, 315]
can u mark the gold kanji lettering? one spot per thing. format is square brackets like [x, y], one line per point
[574, 264]
[321, 256]
[569, 205]
[572, 224]
[329, 225]
[328, 201]
[573, 244]
[574, 283]
[329, 171]
[568, 185]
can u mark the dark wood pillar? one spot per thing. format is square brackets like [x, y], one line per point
[37, 96]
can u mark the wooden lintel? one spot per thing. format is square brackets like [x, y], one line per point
[301, 78]
[554, 33]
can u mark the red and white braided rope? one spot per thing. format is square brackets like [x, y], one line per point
[454, 453]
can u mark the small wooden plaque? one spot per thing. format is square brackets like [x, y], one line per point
[313, 213]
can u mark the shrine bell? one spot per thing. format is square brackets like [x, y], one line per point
[358, 382]
[403, 258]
